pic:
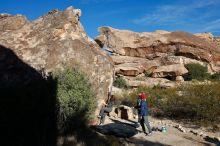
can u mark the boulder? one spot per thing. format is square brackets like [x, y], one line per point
[124, 112]
[217, 40]
[10, 23]
[150, 82]
[117, 59]
[179, 79]
[54, 42]
[133, 66]
[171, 59]
[129, 69]
[206, 35]
[118, 129]
[169, 70]
[151, 45]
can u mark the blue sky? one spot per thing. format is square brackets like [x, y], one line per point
[137, 15]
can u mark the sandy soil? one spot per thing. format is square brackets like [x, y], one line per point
[173, 136]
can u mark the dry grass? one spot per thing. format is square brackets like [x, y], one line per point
[196, 102]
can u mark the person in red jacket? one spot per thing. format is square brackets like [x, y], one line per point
[144, 113]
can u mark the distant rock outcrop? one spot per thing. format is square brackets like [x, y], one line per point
[160, 54]
[56, 41]
[208, 36]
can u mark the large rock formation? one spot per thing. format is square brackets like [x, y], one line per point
[53, 42]
[160, 53]
[209, 37]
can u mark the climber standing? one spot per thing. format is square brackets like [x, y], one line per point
[143, 117]
[138, 107]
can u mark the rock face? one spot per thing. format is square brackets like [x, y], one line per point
[159, 54]
[56, 41]
[209, 37]
[169, 70]
[156, 44]
[124, 112]
[147, 81]
[217, 40]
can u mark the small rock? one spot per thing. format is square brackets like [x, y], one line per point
[135, 116]
[177, 126]
[179, 79]
[201, 134]
[194, 132]
[204, 135]
[182, 130]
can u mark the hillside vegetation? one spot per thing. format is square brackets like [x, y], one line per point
[197, 100]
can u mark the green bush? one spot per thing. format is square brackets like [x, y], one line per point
[215, 76]
[199, 103]
[120, 82]
[76, 98]
[196, 71]
[147, 74]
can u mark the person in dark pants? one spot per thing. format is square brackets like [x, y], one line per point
[138, 107]
[106, 109]
[144, 114]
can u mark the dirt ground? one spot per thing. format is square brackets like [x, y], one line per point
[173, 136]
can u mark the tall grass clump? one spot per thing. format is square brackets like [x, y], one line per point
[76, 98]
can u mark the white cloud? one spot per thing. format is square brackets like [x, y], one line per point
[98, 1]
[174, 14]
[213, 26]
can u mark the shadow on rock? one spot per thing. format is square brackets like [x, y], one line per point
[212, 140]
[117, 129]
[27, 103]
[131, 123]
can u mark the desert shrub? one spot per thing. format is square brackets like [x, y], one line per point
[155, 97]
[120, 82]
[196, 71]
[147, 74]
[198, 103]
[215, 76]
[76, 98]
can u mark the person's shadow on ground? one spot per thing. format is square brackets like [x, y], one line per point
[127, 131]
